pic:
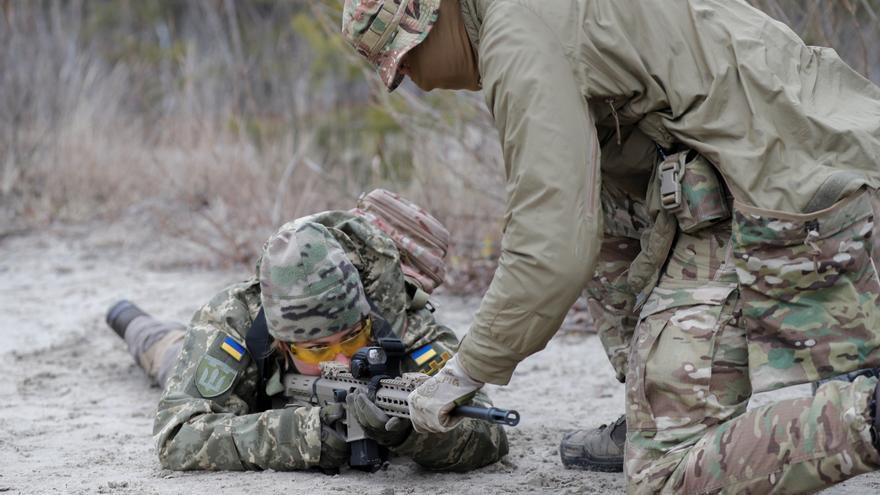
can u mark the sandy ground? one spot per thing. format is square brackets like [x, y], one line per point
[76, 413]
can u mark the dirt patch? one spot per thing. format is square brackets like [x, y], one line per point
[76, 415]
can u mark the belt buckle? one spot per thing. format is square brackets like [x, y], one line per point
[670, 185]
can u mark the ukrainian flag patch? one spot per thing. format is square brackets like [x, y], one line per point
[233, 348]
[423, 354]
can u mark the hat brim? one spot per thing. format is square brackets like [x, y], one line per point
[388, 62]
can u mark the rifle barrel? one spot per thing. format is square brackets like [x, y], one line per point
[491, 414]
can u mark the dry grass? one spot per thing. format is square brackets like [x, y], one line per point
[220, 120]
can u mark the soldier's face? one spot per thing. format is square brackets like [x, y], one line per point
[314, 369]
[342, 345]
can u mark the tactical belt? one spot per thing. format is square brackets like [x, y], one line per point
[257, 341]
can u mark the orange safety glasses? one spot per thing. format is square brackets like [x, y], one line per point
[317, 353]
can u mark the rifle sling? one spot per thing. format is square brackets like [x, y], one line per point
[381, 328]
[257, 342]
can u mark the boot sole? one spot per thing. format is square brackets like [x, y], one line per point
[587, 464]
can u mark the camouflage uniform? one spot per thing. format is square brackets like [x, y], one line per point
[688, 429]
[227, 431]
[610, 297]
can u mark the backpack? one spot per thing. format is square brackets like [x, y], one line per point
[420, 238]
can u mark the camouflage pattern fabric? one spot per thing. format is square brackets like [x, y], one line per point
[700, 257]
[610, 299]
[383, 31]
[471, 444]
[309, 288]
[422, 240]
[623, 214]
[703, 200]
[228, 431]
[689, 387]
[810, 290]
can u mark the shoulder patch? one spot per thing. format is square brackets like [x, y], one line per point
[233, 348]
[423, 354]
[430, 359]
[219, 367]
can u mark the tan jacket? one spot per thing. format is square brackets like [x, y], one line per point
[776, 117]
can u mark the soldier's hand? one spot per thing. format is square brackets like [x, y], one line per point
[334, 448]
[431, 402]
[385, 430]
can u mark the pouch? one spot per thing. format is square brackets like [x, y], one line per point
[671, 356]
[809, 290]
[691, 190]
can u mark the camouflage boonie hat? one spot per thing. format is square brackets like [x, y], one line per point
[383, 31]
[309, 287]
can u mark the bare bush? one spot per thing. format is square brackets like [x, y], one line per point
[223, 119]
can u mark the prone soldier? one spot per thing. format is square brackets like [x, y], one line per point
[326, 285]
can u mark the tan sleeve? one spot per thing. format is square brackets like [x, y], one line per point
[553, 226]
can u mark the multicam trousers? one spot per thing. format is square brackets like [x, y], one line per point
[688, 387]
[609, 297]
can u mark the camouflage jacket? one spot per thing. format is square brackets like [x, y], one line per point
[228, 432]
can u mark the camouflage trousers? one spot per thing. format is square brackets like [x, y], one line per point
[154, 345]
[609, 297]
[688, 387]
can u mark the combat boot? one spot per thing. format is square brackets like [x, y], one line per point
[121, 314]
[599, 449]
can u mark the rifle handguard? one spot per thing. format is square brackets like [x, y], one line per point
[391, 396]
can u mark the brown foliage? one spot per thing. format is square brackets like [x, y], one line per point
[218, 120]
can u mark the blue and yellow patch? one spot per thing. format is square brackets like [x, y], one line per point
[429, 360]
[423, 354]
[220, 366]
[233, 348]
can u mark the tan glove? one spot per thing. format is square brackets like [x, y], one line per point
[431, 402]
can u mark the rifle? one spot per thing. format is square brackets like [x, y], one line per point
[376, 371]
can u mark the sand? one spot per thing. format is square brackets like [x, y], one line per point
[76, 413]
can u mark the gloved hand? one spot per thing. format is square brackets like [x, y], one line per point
[385, 430]
[334, 448]
[431, 402]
